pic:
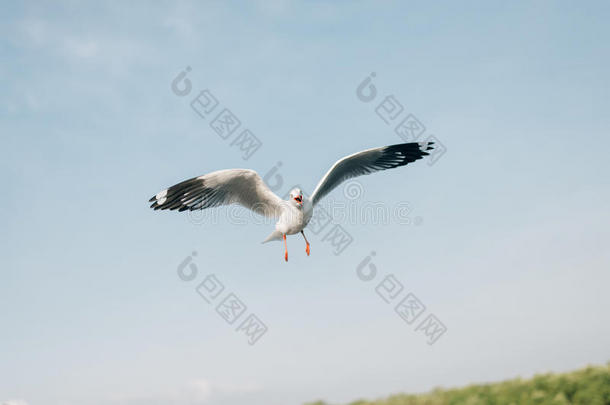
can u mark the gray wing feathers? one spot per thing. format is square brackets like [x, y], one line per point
[369, 161]
[224, 187]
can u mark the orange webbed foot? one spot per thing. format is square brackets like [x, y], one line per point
[307, 249]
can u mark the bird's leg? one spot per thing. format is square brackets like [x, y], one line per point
[307, 242]
[285, 248]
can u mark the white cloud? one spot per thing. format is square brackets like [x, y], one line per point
[199, 391]
[204, 391]
[15, 402]
[113, 52]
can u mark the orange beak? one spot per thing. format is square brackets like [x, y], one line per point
[299, 199]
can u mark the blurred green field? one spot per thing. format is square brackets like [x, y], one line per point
[588, 386]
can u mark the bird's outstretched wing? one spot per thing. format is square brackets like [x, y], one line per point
[369, 161]
[224, 187]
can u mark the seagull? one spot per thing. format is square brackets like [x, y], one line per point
[245, 187]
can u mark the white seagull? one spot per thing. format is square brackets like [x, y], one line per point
[245, 187]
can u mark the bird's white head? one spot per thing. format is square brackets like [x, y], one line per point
[296, 197]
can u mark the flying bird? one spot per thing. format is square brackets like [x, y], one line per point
[246, 187]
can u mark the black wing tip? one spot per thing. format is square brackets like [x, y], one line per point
[156, 207]
[408, 152]
[417, 147]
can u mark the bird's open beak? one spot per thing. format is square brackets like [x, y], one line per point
[298, 199]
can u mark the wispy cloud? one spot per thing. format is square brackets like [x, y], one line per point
[198, 391]
[15, 402]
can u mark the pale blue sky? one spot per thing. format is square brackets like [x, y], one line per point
[511, 256]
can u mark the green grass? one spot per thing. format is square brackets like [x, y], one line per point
[588, 386]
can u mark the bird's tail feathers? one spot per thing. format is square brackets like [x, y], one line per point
[275, 235]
